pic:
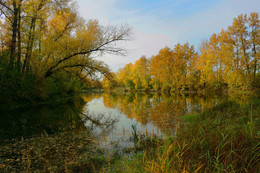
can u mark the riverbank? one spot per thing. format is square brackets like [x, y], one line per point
[223, 138]
[201, 92]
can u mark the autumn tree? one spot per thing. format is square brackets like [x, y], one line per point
[109, 82]
[140, 73]
[243, 36]
[48, 39]
[230, 59]
[254, 27]
[183, 55]
[55, 37]
[124, 77]
[170, 68]
[207, 63]
[161, 69]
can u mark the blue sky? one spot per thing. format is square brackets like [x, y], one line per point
[160, 23]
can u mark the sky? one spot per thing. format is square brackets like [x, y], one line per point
[160, 23]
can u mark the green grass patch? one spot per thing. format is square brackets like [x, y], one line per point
[224, 138]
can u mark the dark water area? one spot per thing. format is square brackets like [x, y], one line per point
[31, 122]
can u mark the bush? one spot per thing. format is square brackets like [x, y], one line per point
[26, 89]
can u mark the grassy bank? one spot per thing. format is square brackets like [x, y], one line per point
[221, 139]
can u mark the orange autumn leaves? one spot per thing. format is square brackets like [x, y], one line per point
[168, 69]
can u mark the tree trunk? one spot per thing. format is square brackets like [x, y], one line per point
[245, 54]
[255, 59]
[30, 42]
[29, 45]
[19, 36]
[14, 35]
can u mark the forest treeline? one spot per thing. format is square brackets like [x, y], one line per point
[47, 50]
[228, 60]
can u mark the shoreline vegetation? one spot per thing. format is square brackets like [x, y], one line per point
[224, 138]
[212, 91]
[78, 94]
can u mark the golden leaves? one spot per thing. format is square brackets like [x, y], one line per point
[227, 60]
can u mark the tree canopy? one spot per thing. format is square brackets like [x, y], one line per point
[46, 45]
[228, 60]
[49, 36]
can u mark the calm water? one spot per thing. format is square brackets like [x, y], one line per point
[152, 114]
[108, 117]
[91, 125]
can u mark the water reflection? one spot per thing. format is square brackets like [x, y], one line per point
[50, 120]
[41, 120]
[155, 112]
[64, 133]
[48, 138]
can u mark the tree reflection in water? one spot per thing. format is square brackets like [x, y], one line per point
[163, 110]
[49, 137]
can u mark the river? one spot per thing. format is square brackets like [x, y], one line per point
[108, 119]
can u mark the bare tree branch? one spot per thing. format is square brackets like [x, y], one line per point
[110, 35]
[4, 5]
